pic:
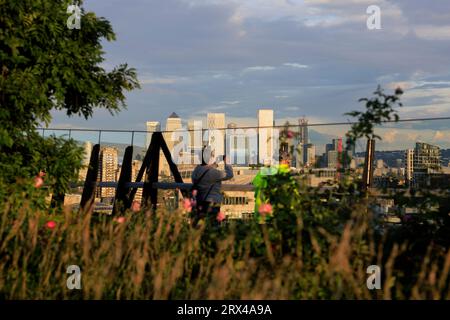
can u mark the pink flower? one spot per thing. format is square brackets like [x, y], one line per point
[120, 219]
[194, 192]
[265, 208]
[187, 205]
[38, 182]
[51, 224]
[41, 174]
[135, 206]
[290, 134]
[220, 216]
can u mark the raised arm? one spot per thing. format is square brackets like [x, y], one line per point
[222, 175]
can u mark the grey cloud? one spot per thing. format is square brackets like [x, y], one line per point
[434, 12]
[191, 59]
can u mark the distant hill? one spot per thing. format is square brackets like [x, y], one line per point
[390, 157]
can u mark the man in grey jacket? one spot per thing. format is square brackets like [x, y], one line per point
[208, 180]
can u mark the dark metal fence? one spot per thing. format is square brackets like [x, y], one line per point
[126, 188]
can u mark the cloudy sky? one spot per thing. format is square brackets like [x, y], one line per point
[299, 57]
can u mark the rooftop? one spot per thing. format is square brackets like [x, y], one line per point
[174, 115]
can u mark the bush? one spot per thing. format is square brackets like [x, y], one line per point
[145, 255]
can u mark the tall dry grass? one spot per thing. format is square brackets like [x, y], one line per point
[160, 256]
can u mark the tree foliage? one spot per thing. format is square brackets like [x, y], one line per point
[46, 66]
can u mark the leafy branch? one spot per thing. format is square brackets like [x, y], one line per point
[379, 109]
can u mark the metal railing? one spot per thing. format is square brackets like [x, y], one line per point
[126, 189]
[174, 185]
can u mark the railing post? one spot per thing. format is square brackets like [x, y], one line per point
[145, 165]
[173, 167]
[152, 172]
[91, 181]
[368, 165]
[122, 200]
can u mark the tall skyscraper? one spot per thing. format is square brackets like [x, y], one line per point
[299, 155]
[427, 158]
[238, 148]
[303, 131]
[329, 147]
[332, 159]
[135, 167]
[87, 150]
[173, 123]
[108, 164]
[421, 162]
[216, 138]
[334, 154]
[215, 120]
[152, 126]
[195, 128]
[302, 143]
[310, 158]
[337, 144]
[266, 143]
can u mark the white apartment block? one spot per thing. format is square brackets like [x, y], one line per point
[216, 138]
[266, 143]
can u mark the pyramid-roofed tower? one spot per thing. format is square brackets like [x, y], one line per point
[174, 115]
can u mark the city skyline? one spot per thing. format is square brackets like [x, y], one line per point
[395, 136]
[305, 153]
